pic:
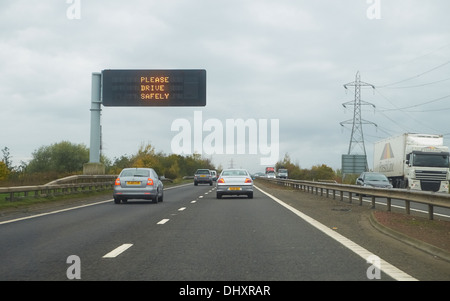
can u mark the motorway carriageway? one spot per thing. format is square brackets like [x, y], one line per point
[190, 236]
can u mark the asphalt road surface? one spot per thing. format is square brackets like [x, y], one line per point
[190, 236]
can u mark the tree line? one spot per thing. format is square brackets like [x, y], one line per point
[65, 158]
[317, 172]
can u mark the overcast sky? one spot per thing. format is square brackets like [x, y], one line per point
[267, 60]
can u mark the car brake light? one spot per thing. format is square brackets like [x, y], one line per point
[221, 180]
[149, 181]
[248, 180]
[117, 182]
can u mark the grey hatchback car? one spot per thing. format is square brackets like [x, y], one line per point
[138, 183]
[203, 176]
[373, 179]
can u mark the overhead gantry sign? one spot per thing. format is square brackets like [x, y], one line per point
[154, 87]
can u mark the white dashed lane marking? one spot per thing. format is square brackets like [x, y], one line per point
[163, 221]
[117, 251]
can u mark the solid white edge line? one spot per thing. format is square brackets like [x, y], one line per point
[385, 266]
[52, 212]
[117, 251]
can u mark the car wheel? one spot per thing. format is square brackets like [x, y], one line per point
[250, 195]
[155, 199]
[161, 198]
[218, 196]
[116, 200]
[195, 183]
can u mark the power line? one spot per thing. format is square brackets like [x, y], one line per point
[416, 76]
[394, 121]
[431, 110]
[421, 85]
[416, 105]
[409, 61]
[403, 111]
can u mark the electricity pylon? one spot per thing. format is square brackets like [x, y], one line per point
[357, 136]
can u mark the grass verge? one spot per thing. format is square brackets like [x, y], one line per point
[26, 201]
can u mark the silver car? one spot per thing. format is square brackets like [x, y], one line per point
[138, 183]
[234, 182]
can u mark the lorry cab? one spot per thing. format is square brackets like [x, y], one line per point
[282, 173]
[427, 170]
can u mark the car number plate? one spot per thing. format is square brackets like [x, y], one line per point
[133, 183]
[202, 176]
[234, 188]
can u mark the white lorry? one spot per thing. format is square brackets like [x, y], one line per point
[414, 161]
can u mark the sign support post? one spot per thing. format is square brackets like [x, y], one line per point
[94, 167]
[119, 88]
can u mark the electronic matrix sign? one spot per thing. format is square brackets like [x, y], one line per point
[154, 87]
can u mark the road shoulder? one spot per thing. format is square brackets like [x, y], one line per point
[354, 222]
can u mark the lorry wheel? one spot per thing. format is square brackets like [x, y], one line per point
[405, 184]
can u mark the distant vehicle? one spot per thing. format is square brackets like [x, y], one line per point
[259, 174]
[234, 182]
[373, 179]
[203, 176]
[271, 175]
[138, 183]
[282, 173]
[214, 175]
[270, 169]
[270, 172]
